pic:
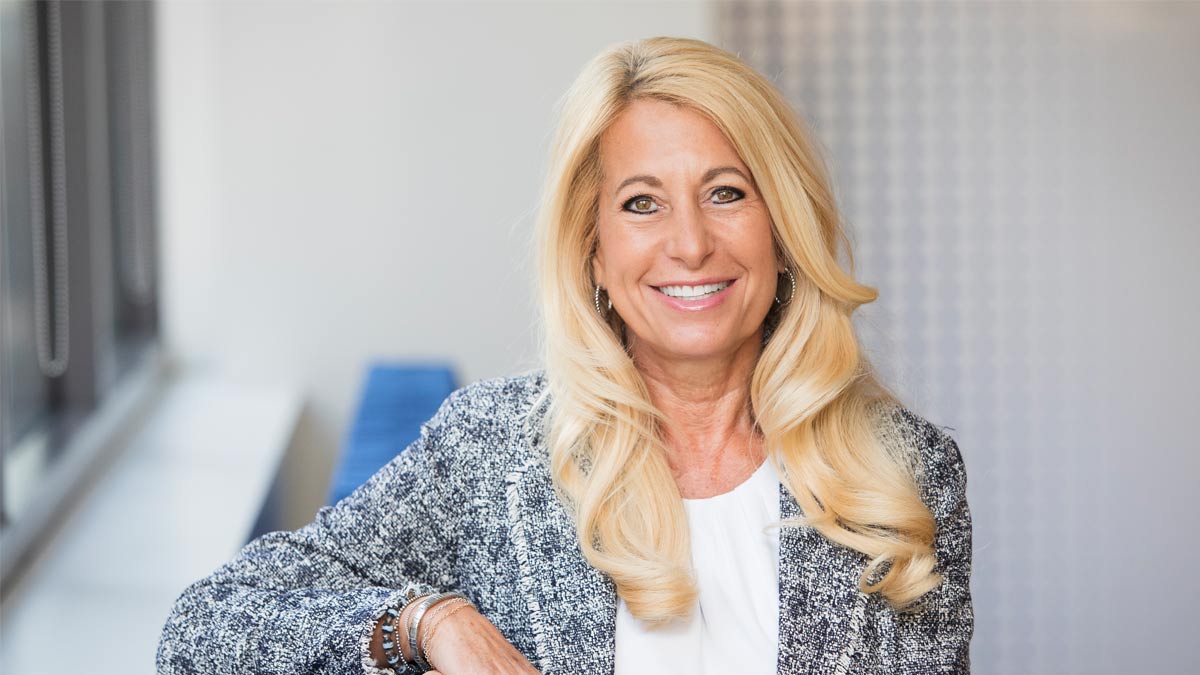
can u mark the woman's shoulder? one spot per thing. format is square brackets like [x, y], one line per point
[498, 396]
[492, 409]
[927, 448]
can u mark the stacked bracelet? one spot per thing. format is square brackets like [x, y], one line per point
[389, 626]
[414, 623]
[447, 609]
[391, 642]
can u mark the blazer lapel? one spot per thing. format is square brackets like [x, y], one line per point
[572, 605]
[820, 607]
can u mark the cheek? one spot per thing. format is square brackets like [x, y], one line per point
[751, 241]
[604, 254]
[764, 249]
[623, 258]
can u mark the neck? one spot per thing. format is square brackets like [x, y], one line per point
[706, 403]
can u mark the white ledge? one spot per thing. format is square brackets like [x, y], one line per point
[177, 502]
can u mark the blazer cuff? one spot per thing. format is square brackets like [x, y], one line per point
[374, 604]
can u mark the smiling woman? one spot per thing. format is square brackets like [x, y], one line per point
[664, 399]
[707, 472]
[684, 245]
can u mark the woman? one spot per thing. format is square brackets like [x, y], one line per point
[613, 514]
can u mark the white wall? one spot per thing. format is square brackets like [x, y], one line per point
[348, 181]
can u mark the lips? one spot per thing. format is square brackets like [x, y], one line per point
[695, 292]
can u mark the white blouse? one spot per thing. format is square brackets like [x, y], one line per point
[736, 565]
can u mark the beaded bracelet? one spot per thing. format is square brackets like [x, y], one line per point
[391, 645]
[389, 626]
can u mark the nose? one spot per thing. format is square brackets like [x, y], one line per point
[689, 239]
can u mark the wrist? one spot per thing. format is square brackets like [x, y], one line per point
[388, 634]
[437, 616]
[419, 624]
[404, 622]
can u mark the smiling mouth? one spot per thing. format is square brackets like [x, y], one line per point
[693, 292]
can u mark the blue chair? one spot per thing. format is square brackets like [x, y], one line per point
[396, 399]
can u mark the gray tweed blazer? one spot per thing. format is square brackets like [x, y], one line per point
[470, 506]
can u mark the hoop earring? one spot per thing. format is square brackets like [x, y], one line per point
[596, 300]
[786, 301]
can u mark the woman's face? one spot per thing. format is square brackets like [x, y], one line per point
[684, 248]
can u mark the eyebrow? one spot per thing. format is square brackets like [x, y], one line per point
[708, 175]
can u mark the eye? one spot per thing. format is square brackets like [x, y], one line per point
[724, 195]
[640, 204]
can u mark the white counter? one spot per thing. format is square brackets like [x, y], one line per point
[178, 501]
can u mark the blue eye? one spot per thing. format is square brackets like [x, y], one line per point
[724, 195]
[640, 204]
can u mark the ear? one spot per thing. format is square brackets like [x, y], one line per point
[598, 266]
[780, 258]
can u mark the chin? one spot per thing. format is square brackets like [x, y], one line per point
[696, 349]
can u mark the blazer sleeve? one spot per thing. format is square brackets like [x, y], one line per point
[936, 637]
[307, 601]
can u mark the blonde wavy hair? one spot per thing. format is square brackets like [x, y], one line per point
[813, 394]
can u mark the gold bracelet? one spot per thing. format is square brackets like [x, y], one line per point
[438, 611]
[440, 607]
[434, 612]
[432, 629]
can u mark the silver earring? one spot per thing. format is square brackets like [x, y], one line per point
[788, 299]
[596, 299]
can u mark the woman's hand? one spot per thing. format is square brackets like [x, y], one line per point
[467, 643]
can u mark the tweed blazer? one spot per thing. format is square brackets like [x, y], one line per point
[471, 507]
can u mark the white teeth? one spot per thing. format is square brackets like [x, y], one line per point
[693, 292]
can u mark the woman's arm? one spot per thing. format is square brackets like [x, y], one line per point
[307, 601]
[937, 638]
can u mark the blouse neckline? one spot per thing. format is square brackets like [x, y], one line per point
[759, 477]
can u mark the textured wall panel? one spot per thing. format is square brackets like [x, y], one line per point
[1020, 181]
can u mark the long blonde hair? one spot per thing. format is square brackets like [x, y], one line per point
[813, 394]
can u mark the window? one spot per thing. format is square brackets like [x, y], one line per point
[78, 291]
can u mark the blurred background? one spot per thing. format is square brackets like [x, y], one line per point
[247, 245]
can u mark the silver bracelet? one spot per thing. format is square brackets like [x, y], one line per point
[414, 623]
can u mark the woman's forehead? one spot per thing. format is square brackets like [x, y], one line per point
[653, 136]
